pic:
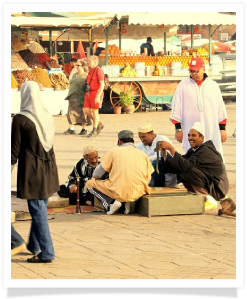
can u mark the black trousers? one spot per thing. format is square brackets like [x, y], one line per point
[64, 192]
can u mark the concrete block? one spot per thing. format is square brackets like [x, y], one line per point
[179, 203]
[55, 201]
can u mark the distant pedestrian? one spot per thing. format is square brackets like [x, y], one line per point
[37, 177]
[73, 62]
[75, 97]
[94, 97]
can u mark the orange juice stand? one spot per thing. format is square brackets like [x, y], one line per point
[156, 87]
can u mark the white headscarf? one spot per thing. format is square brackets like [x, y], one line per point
[33, 107]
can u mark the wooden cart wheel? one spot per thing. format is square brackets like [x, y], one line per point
[134, 89]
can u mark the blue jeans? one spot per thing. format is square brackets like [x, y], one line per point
[40, 237]
[16, 239]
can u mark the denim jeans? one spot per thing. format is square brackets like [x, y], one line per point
[40, 237]
[16, 239]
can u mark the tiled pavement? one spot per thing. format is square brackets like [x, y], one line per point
[95, 245]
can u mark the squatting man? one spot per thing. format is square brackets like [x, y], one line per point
[201, 169]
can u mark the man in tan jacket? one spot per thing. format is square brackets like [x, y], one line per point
[129, 174]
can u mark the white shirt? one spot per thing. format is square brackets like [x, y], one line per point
[152, 155]
[149, 150]
[204, 104]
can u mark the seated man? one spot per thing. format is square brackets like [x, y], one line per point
[147, 145]
[84, 169]
[129, 174]
[201, 169]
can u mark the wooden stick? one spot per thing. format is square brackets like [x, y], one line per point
[78, 208]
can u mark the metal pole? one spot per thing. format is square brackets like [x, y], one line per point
[119, 37]
[90, 42]
[50, 43]
[164, 43]
[106, 45]
[210, 46]
[192, 38]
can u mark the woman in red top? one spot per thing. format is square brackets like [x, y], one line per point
[93, 99]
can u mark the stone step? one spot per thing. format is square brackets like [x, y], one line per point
[55, 201]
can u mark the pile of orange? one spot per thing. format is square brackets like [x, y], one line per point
[151, 61]
[113, 50]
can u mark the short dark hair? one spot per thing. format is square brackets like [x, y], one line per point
[73, 60]
[125, 140]
[200, 135]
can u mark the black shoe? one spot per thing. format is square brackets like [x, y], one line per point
[69, 132]
[83, 132]
[35, 259]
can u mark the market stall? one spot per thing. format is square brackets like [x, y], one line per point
[152, 79]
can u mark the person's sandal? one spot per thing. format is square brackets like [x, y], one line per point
[100, 127]
[93, 133]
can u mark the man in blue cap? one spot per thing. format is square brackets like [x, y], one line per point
[148, 46]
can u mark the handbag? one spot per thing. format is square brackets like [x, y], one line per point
[86, 87]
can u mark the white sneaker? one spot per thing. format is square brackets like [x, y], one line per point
[129, 207]
[114, 207]
[179, 185]
[210, 203]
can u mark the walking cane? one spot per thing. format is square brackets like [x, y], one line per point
[78, 208]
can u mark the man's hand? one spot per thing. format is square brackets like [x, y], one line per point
[223, 136]
[179, 136]
[166, 146]
[73, 189]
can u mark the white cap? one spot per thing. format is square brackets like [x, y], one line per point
[199, 127]
[144, 128]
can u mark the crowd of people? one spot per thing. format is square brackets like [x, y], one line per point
[125, 173]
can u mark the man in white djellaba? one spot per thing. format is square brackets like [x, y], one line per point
[198, 99]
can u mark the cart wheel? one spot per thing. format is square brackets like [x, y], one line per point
[134, 89]
[220, 212]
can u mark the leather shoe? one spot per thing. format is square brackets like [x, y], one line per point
[35, 259]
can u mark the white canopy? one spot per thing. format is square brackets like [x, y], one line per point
[181, 18]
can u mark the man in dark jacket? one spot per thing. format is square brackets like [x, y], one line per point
[148, 46]
[84, 170]
[201, 169]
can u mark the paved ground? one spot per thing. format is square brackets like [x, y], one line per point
[95, 245]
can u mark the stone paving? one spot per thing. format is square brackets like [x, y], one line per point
[97, 246]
